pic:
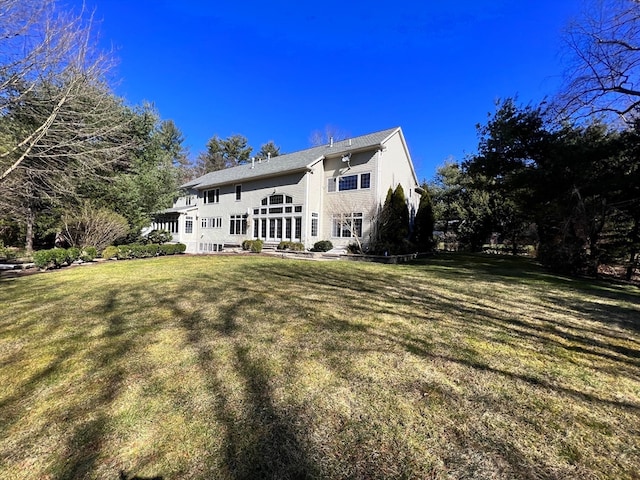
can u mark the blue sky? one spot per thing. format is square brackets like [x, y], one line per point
[279, 70]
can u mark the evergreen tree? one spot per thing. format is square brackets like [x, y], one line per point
[424, 223]
[393, 224]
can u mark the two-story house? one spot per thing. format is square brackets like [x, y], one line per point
[329, 192]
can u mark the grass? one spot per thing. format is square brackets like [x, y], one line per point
[258, 367]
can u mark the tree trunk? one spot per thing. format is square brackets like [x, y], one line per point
[30, 219]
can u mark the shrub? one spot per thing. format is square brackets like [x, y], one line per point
[296, 246]
[73, 254]
[123, 252]
[166, 249]
[354, 248]
[246, 244]
[322, 246]
[88, 254]
[256, 246]
[181, 248]
[110, 252]
[92, 225]
[59, 256]
[43, 259]
[152, 249]
[286, 245]
[283, 245]
[159, 236]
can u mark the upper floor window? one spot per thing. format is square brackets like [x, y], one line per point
[187, 200]
[276, 199]
[365, 180]
[349, 182]
[211, 196]
[238, 192]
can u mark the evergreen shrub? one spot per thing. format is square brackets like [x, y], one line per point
[322, 246]
[43, 259]
[110, 252]
[88, 254]
[73, 254]
[256, 246]
[59, 257]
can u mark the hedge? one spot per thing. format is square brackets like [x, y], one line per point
[295, 246]
[59, 257]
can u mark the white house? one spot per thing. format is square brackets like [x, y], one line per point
[329, 192]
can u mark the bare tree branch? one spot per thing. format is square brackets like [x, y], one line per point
[603, 70]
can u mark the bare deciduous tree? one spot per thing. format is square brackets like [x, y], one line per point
[59, 121]
[603, 74]
[90, 226]
[322, 137]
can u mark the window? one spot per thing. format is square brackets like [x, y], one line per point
[256, 229]
[298, 227]
[365, 180]
[276, 199]
[187, 200]
[275, 210]
[212, 196]
[350, 182]
[211, 247]
[314, 224]
[289, 199]
[212, 222]
[297, 208]
[347, 225]
[188, 225]
[238, 224]
[287, 227]
[264, 201]
[238, 192]
[288, 209]
[256, 211]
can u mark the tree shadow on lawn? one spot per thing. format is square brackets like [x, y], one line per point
[263, 439]
[264, 417]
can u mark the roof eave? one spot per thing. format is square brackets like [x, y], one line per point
[203, 186]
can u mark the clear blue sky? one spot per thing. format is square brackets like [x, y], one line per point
[279, 70]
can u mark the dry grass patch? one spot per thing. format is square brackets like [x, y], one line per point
[255, 367]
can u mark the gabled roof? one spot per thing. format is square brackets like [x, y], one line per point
[290, 162]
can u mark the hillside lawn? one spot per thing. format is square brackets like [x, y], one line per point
[239, 367]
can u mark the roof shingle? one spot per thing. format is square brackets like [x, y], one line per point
[289, 162]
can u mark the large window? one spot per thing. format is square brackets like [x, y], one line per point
[347, 225]
[238, 224]
[349, 182]
[211, 222]
[314, 224]
[188, 225]
[211, 196]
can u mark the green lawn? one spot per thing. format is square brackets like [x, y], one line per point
[246, 367]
